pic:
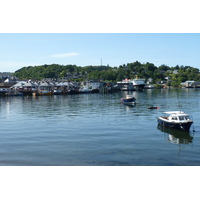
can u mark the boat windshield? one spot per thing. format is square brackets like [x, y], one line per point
[184, 118]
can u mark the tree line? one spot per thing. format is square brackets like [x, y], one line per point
[148, 71]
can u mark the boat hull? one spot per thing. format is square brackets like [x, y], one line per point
[130, 101]
[42, 93]
[184, 126]
[139, 87]
[57, 92]
[153, 107]
[3, 93]
[26, 92]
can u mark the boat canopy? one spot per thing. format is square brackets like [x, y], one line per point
[128, 96]
[175, 112]
[179, 114]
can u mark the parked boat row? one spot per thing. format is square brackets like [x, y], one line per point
[37, 88]
[9, 92]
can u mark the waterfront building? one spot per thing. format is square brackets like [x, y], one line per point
[131, 84]
[8, 82]
[191, 84]
[93, 85]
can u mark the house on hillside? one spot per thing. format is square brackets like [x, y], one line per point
[175, 71]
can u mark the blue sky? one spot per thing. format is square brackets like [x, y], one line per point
[29, 49]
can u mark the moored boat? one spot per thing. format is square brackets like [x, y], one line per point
[131, 84]
[138, 84]
[42, 93]
[57, 92]
[14, 93]
[3, 91]
[85, 89]
[129, 100]
[10, 92]
[177, 120]
[153, 107]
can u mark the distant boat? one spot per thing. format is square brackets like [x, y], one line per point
[129, 100]
[131, 84]
[153, 107]
[3, 91]
[57, 92]
[73, 91]
[42, 93]
[177, 120]
[9, 92]
[138, 84]
[95, 90]
[26, 92]
[149, 87]
[14, 93]
[85, 89]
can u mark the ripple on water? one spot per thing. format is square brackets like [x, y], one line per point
[95, 129]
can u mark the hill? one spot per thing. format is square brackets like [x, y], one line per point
[174, 75]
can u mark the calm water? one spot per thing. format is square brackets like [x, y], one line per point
[96, 130]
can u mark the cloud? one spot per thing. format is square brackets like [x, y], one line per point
[64, 55]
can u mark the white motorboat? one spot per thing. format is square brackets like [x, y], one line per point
[177, 120]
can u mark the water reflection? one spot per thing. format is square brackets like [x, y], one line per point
[128, 107]
[176, 136]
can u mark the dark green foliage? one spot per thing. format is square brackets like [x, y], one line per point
[148, 70]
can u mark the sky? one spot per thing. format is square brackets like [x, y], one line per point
[19, 50]
[93, 32]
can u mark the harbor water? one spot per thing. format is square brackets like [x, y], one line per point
[96, 130]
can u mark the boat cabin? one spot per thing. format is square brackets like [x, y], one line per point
[178, 116]
[129, 96]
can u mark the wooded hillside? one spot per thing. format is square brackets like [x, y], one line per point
[176, 74]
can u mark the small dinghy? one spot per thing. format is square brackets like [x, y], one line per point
[153, 107]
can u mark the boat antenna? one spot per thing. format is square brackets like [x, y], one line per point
[179, 106]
